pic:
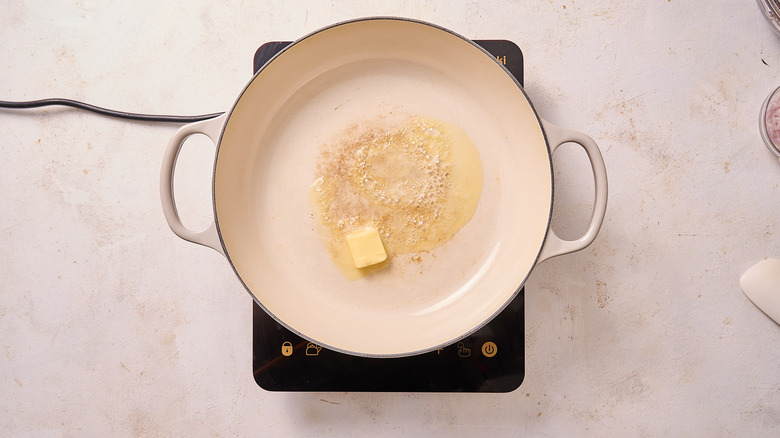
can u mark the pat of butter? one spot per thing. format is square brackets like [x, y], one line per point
[366, 247]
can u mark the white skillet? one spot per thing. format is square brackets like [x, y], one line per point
[359, 71]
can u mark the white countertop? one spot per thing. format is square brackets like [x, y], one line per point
[112, 326]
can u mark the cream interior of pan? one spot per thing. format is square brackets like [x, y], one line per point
[357, 73]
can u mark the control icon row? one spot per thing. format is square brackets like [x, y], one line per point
[489, 349]
[312, 349]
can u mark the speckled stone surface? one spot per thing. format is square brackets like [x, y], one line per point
[112, 326]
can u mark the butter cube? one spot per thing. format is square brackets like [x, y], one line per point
[366, 247]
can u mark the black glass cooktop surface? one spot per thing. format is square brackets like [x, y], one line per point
[490, 360]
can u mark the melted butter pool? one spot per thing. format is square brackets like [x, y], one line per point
[417, 183]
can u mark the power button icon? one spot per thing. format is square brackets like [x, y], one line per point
[489, 349]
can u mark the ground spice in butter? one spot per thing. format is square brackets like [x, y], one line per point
[417, 184]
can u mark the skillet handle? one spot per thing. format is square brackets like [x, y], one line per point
[209, 236]
[554, 245]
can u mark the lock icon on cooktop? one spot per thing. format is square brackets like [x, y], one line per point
[287, 348]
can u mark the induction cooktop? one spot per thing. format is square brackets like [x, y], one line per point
[490, 360]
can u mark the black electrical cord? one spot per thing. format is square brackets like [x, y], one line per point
[106, 112]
